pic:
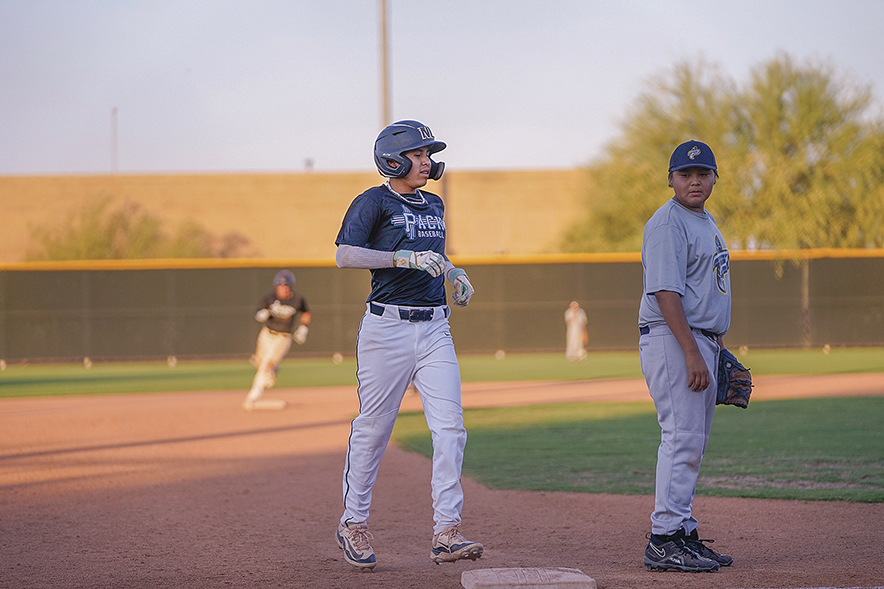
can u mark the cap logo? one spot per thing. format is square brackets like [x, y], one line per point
[694, 152]
[425, 133]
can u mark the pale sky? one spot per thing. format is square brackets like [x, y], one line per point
[266, 85]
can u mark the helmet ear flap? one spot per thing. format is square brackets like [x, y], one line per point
[436, 169]
[393, 166]
[404, 167]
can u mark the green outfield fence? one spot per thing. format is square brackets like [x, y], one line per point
[149, 309]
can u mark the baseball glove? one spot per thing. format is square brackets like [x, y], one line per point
[734, 381]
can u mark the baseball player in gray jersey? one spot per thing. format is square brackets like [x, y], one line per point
[281, 311]
[397, 231]
[684, 313]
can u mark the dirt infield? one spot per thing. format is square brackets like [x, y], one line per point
[188, 490]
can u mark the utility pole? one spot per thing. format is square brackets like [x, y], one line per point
[114, 165]
[385, 69]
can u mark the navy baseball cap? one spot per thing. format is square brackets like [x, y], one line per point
[691, 154]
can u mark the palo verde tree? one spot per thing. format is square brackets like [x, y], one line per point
[800, 151]
[99, 232]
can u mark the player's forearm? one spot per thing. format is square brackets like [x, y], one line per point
[673, 312]
[351, 256]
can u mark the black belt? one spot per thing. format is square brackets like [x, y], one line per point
[646, 330]
[413, 315]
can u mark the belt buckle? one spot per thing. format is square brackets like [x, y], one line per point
[416, 315]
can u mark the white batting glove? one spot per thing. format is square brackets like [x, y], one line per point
[463, 290]
[428, 261]
[281, 311]
[262, 315]
[300, 335]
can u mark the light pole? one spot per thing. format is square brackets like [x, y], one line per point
[385, 70]
[114, 140]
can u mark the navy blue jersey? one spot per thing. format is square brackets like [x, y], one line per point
[379, 219]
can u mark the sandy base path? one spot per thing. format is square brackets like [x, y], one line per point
[188, 490]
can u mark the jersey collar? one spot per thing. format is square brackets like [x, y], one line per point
[416, 199]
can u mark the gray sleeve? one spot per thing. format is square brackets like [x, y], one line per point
[665, 266]
[351, 256]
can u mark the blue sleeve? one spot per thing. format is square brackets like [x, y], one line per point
[359, 222]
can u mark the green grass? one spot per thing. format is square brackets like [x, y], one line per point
[130, 377]
[149, 377]
[814, 449]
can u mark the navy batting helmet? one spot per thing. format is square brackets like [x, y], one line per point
[284, 277]
[404, 136]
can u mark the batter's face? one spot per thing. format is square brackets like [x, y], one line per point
[283, 292]
[692, 186]
[417, 176]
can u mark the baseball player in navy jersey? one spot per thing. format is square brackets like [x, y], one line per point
[684, 313]
[281, 312]
[397, 231]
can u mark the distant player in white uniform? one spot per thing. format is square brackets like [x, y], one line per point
[576, 336]
[684, 313]
[281, 312]
[397, 231]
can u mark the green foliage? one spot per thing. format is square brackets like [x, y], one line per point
[801, 158]
[813, 449]
[97, 232]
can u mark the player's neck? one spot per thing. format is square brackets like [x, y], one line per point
[412, 198]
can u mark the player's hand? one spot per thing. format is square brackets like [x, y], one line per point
[300, 334]
[430, 262]
[698, 372]
[281, 311]
[463, 290]
[262, 315]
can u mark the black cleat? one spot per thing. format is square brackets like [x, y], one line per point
[671, 553]
[695, 543]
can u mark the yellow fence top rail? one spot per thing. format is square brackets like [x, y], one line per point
[585, 258]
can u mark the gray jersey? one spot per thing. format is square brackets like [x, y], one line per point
[684, 252]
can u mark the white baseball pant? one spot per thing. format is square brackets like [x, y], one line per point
[270, 349]
[391, 352]
[685, 419]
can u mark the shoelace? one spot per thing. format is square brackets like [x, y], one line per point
[701, 547]
[684, 544]
[453, 535]
[360, 537]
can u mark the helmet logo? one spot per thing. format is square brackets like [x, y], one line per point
[425, 133]
[694, 152]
